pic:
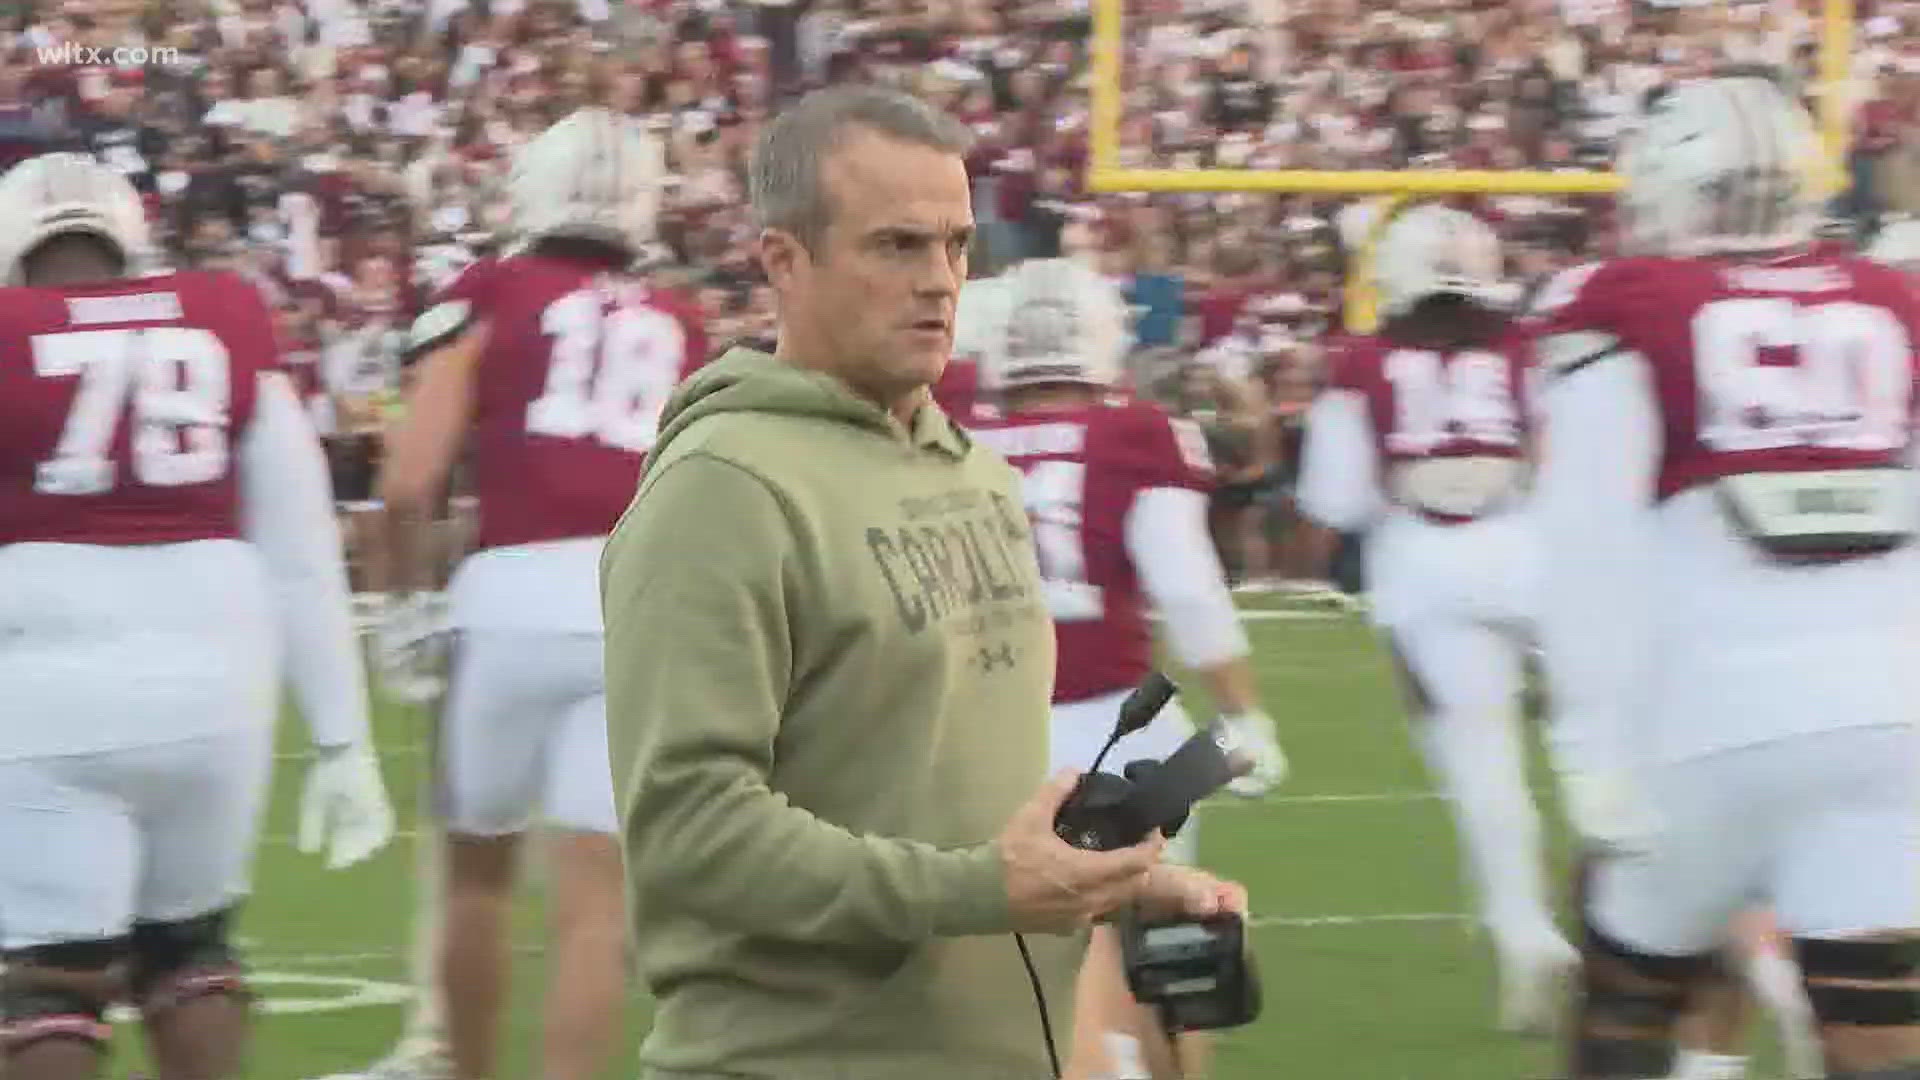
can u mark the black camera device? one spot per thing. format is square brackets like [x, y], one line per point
[1197, 974]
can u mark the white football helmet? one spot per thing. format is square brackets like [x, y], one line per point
[594, 175]
[1431, 250]
[1720, 164]
[1065, 323]
[980, 316]
[55, 194]
[1898, 245]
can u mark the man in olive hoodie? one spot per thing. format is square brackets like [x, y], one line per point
[829, 661]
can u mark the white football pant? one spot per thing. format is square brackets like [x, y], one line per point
[523, 733]
[1464, 678]
[1823, 827]
[91, 843]
[1456, 604]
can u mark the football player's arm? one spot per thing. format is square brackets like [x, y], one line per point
[1533, 381]
[1171, 548]
[421, 449]
[287, 512]
[1339, 483]
[699, 608]
[1249, 402]
[1594, 493]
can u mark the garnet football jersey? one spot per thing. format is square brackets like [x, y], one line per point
[958, 387]
[1794, 364]
[578, 365]
[1714, 425]
[1426, 404]
[1081, 472]
[122, 404]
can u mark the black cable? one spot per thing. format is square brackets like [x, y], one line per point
[1040, 999]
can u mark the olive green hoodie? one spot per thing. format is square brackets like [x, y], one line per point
[828, 670]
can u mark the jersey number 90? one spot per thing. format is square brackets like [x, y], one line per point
[1774, 374]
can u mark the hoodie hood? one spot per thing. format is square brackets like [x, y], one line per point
[748, 380]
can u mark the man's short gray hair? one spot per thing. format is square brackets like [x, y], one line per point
[784, 182]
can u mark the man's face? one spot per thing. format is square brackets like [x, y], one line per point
[693, 60]
[627, 92]
[375, 275]
[873, 302]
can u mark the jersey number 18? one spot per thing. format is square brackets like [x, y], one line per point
[1055, 494]
[609, 373]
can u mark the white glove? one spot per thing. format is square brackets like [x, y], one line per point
[1610, 811]
[1776, 981]
[410, 648]
[1251, 734]
[344, 801]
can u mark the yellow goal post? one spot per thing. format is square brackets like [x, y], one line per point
[1105, 173]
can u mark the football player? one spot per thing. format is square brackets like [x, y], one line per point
[1759, 954]
[1420, 440]
[167, 547]
[1754, 965]
[1117, 494]
[1897, 244]
[979, 313]
[549, 367]
[1727, 502]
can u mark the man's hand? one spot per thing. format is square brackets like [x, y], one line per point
[1054, 887]
[344, 801]
[1173, 892]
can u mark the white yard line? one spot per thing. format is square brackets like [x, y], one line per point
[1262, 921]
[1232, 802]
[284, 840]
[1292, 614]
[297, 961]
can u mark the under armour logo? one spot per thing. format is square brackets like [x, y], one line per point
[993, 659]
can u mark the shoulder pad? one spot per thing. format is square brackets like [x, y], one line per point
[1560, 355]
[1346, 360]
[437, 325]
[1561, 289]
[1192, 444]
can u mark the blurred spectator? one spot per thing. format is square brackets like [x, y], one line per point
[1885, 143]
[349, 154]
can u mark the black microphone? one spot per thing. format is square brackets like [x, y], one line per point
[1141, 706]
[1202, 765]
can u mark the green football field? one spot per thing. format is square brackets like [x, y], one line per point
[1372, 970]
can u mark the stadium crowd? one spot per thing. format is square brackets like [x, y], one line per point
[349, 157]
